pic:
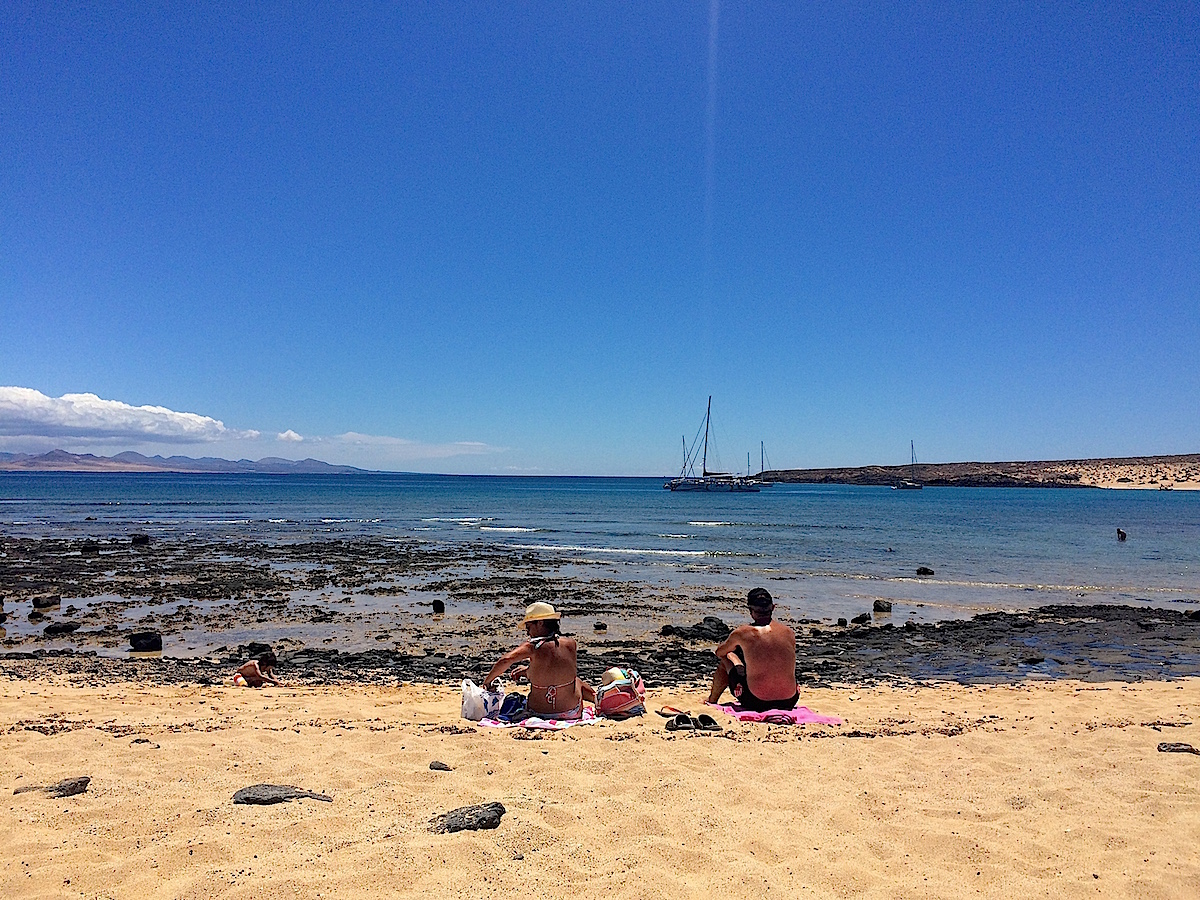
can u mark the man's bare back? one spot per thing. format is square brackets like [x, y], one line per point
[769, 652]
[758, 661]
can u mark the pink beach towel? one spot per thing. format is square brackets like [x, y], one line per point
[801, 715]
[588, 717]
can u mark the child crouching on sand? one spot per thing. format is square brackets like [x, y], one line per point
[257, 672]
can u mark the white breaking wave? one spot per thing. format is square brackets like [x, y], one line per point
[624, 551]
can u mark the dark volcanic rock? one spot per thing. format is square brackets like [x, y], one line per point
[90, 549]
[861, 619]
[266, 794]
[68, 787]
[842, 623]
[882, 606]
[255, 648]
[144, 641]
[468, 818]
[709, 629]
[600, 626]
[1172, 747]
[54, 629]
[438, 766]
[439, 607]
[140, 540]
[924, 572]
[46, 601]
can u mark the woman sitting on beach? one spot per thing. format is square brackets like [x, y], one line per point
[257, 672]
[556, 691]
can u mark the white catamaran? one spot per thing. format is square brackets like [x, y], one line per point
[688, 480]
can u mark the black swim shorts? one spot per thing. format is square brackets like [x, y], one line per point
[745, 697]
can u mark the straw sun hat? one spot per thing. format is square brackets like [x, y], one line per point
[616, 673]
[539, 612]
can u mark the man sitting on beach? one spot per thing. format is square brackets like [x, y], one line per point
[257, 672]
[556, 691]
[757, 662]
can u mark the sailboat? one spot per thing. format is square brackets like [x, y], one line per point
[762, 465]
[688, 480]
[911, 484]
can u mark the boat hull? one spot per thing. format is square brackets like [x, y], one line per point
[712, 485]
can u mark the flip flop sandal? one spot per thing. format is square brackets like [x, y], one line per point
[779, 719]
[681, 723]
[670, 712]
[705, 722]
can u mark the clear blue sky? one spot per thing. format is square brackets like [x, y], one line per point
[477, 234]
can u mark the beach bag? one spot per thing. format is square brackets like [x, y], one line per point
[621, 694]
[479, 704]
[513, 709]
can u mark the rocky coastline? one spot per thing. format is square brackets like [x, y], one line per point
[80, 608]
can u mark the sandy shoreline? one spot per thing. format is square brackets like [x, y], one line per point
[1049, 789]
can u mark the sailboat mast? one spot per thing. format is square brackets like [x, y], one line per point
[913, 447]
[762, 455]
[707, 415]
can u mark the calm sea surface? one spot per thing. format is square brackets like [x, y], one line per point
[823, 550]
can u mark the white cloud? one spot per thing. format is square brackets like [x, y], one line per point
[31, 422]
[30, 413]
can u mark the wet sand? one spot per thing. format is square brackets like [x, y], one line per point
[1029, 790]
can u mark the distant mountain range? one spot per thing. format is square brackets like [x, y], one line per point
[61, 461]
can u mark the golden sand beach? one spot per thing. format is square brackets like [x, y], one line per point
[1035, 789]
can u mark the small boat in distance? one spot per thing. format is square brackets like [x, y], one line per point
[688, 480]
[912, 484]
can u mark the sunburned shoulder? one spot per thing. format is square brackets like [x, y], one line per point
[759, 631]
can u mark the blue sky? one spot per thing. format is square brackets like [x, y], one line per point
[492, 237]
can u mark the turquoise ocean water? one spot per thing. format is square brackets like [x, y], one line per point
[823, 550]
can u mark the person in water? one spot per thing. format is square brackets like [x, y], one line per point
[757, 662]
[257, 672]
[555, 688]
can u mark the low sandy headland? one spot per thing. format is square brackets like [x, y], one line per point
[1168, 473]
[1048, 789]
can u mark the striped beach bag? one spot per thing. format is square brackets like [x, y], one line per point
[621, 694]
